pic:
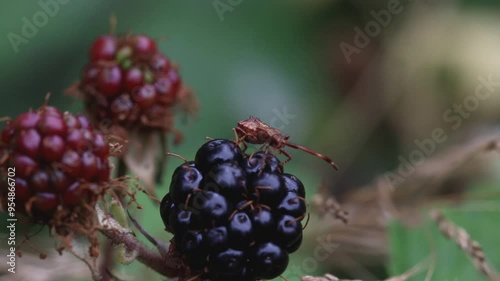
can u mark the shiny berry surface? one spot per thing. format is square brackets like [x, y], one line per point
[134, 79]
[270, 260]
[144, 45]
[27, 120]
[227, 179]
[56, 156]
[234, 216]
[53, 147]
[103, 48]
[145, 96]
[28, 142]
[109, 81]
[216, 152]
[261, 162]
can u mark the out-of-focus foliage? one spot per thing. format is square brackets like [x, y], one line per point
[413, 245]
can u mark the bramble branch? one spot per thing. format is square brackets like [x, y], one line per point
[164, 265]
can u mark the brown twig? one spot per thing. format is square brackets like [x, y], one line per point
[164, 265]
[472, 248]
[145, 255]
[162, 247]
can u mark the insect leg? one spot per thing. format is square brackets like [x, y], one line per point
[240, 140]
[312, 152]
[288, 156]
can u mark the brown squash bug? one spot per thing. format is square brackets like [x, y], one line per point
[254, 131]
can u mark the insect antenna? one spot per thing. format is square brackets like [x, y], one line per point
[312, 152]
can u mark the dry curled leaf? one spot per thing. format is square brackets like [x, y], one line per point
[141, 157]
[79, 246]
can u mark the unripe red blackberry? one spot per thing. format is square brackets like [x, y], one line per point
[132, 91]
[129, 82]
[57, 157]
[234, 216]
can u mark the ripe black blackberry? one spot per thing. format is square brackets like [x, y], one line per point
[234, 216]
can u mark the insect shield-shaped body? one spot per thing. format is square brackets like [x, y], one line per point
[254, 131]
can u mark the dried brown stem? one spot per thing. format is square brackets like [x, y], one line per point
[162, 247]
[145, 255]
[328, 205]
[403, 277]
[164, 265]
[460, 236]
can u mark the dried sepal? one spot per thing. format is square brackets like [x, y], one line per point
[81, 247]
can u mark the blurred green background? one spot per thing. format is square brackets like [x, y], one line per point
[262, 57]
